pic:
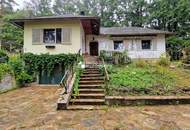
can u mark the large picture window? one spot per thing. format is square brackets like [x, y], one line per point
[118, 45]
[146, 44]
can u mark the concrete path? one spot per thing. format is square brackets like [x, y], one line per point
[34, 108]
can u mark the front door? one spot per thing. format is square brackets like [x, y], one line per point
[94, 48]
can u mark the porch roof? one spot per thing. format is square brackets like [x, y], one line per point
[131, 31]
[91, 24]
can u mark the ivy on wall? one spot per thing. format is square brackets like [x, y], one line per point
[46, 63]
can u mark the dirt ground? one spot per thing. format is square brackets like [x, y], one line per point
[34, 108]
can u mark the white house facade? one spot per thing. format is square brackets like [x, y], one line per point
[68, 34]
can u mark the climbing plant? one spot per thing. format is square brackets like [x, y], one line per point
[46, 63]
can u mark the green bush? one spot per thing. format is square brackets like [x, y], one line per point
[164, 60]
[140, 63]
[3, 55]
[4, 69]
[78, 72]
[23, 78]
[115, 57]
[186, 55]
[16, 64]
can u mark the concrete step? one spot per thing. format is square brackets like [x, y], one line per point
[91, 75]
[91, 69]
[90, 96]
[91, 72]
[86, 107]
[91, 82]
[91, 86]
[91, 78]
[87, 102]
[82, 91]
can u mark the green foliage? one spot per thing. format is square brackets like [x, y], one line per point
[3, 53]
[3, 56]
[78, 71]
[186, 56]
[16, 64]
[164, 60]
[10, 33]
[141, 77]
[115, 57]
[40, 7]
[140, 63]
[4, 69]
[45, 62]
[23, 78]
[175, 46]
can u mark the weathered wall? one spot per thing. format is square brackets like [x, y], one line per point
[157, 48]
[7, 82]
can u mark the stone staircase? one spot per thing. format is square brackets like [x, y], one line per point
[91, 92]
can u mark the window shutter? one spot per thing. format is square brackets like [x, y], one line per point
[36, 36]
[66, 35]
[138, 45]
[154, 45]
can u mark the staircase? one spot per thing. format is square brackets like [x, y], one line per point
[91, 92]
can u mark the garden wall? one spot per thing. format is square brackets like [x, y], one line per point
[7, 82]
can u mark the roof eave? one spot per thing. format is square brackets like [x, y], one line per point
[20, 22]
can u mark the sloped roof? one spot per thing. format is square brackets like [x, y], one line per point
[131, 31]
[20, 22]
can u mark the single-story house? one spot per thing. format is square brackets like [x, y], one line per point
[69, 34]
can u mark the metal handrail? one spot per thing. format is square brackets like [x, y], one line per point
[68, 72]
[105, 70]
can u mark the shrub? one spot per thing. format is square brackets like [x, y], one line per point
[3, 56]
[4, 69]
[186, 55]
[140, 63]
[164, 60]
[23, 78]
[16, 64]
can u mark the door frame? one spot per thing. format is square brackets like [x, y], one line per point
[97, 49]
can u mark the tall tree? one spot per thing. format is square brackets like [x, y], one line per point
[136, 12]
[7, 6]
[39, 7]
[61, 7]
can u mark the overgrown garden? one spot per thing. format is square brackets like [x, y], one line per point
[141, 77]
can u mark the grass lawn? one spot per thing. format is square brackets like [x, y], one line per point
[147, 79]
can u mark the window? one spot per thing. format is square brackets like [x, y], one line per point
[49, 36]
[58, 35]
[146, 44]
[118, 45]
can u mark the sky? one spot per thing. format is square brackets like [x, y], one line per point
[20, 4]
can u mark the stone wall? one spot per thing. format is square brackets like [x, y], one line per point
[7, 82]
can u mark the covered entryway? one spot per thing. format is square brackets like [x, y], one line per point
[94, 48]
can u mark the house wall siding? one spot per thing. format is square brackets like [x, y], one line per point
[157, 48]
[73, 47]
